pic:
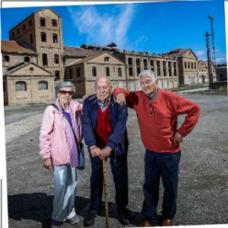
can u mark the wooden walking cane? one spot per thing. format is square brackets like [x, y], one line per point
[105, 183]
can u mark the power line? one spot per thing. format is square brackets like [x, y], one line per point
[210, 76]
[212, 38]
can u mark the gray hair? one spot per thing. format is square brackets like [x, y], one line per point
[103, 78]
[65, 84]
[148, 73]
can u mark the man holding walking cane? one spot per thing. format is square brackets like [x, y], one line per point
[104, 130]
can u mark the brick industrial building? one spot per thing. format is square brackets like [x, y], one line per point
[35, 60]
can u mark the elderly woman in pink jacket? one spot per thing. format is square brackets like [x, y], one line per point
[60, 135]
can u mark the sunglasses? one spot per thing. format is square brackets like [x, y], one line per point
[65, 92]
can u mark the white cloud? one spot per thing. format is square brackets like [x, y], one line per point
[220, 57]
[201, 54]
[124, 21]
[102, 27]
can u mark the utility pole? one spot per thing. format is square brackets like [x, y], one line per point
[212, 38]
[210, 76]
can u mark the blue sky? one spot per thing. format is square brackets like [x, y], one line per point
[156, 27]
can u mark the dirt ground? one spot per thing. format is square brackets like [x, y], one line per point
[203, 185]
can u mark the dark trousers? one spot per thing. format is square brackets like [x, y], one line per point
[166, 166]
[120, 177]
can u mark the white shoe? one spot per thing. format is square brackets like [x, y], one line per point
[73, 220]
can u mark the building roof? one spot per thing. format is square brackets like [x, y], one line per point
[112, 47]
[179, 52]
[86, 59]
[40, 10]
[79, 52]
[12, 46]
[11, 69]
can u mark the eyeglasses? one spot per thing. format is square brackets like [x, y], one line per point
[65, 92]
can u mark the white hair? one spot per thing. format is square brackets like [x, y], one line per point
[148, 73]
[103, 78]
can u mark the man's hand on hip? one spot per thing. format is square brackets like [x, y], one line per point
[178, 138]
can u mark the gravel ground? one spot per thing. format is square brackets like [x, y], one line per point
[202, 196]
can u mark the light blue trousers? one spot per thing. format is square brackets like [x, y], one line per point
[65, 180]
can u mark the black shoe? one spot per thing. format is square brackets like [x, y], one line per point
[130, 214]
[56, 224]
[90, 218]
[122, 217]
[138, 219]
[146, 223]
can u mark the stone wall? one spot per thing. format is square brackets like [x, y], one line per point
[32, 93]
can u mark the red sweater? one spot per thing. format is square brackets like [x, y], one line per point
[104, 128]
[158, 118]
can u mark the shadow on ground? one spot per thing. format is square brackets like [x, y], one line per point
[38, 207]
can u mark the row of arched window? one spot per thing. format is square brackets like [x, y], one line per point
[22, 85]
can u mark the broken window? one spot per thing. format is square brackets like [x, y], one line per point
[44, 59]
[158, 68]
[145, 64]
[57, 75]
[55, 38]
[6, 58]
[43, 37]
[54, 23]
[94, 71]
[21, 86]
[107, 71]
[42, 22]
[119, 72]
[56, 58]
[26, 59]
[43, 85]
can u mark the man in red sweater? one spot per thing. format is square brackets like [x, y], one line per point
[157, 111]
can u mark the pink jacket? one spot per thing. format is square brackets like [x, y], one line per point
[53, 142]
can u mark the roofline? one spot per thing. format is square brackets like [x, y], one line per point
[85, 60]
[182, 49]
[34, 54]
[26, 64]
[73, 56]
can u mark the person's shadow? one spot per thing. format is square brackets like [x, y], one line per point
[38, 207]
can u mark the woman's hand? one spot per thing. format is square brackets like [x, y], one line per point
[47, 163]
